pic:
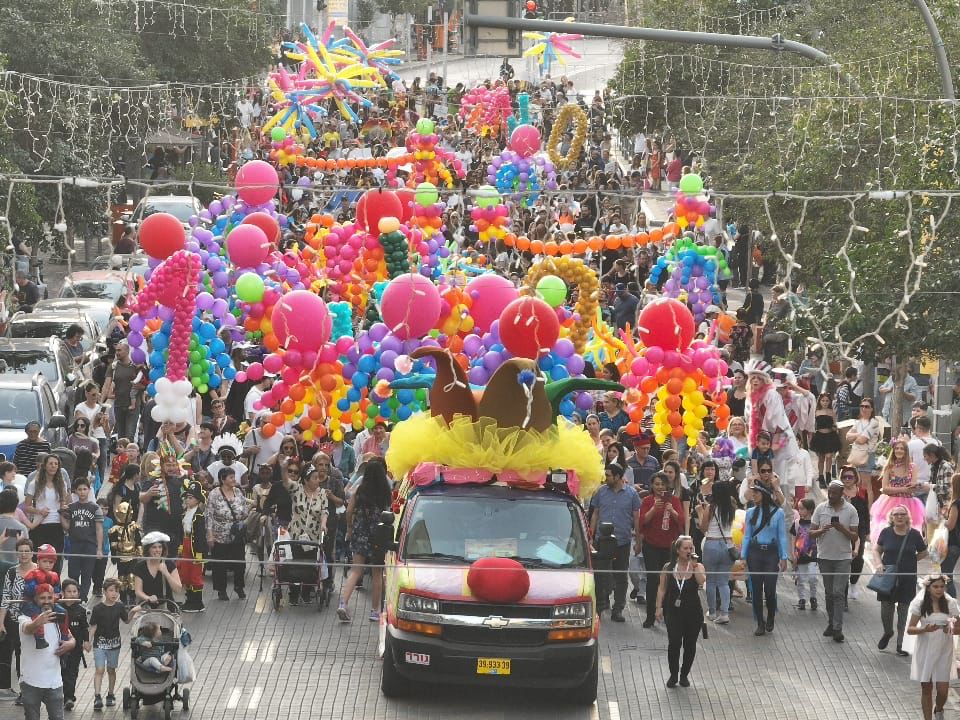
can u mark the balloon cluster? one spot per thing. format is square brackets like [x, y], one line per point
[485, 110]
[284, 148]
[428, 158]
[516, 170]
[574, 273]
[680, 375]
[491, 218]
[523, 113]
[693, 275]
[426, 224]
[692, 209]
[396, 250]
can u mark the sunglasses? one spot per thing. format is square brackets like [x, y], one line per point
[849, 477]
[765, 470]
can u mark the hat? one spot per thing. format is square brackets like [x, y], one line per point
[152, 538]
[760, 367]
[194, 489]
[227, 441]
[711, 309]
[47, 552]
[644, 439]
[835, 483]
[782, 378]
[764, 489]
[620, 287]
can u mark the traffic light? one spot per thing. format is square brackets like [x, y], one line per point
[532, 11]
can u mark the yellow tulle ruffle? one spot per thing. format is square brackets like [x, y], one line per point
[485, 445]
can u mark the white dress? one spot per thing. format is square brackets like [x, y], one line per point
[933, 656]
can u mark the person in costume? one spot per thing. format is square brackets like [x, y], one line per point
[37, 581]
[899, 483]
[193, 548]
[160, 497]
[125, 548]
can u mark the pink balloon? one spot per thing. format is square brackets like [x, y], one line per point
[247, 246]
[525, 140]
[257, 182]
[273, 363]
[301, 321]
[410, 306]
[255, 371]
[491, 294]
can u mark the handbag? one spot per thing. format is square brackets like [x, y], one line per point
[886, 583]
[731, 549]
[238, 531]
[858, 455]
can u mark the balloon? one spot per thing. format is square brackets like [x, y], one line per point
[266, 222]
[525, 140]
[161, 235]
[529, 327]
[250, 287]
[278, 134]
[691, 184]
[552, 289]
[247, 246]
[491, 294]
[666, 323]
[257, 182]
[487, 197]
[301, 321]
[407, 197]
[425, 126]
[376, 204]
[410, 306]
[426, 194]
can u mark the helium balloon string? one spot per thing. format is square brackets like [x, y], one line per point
[453, 373]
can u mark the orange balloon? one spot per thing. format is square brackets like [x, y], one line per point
[674, 386]
[268, 430]
[656, 235]
[565, 247]
[523, 243]
[633, 428]
[595, 244]
[673, 402]
[315, 412]
[298, 392]
[536, 247]
[277, 419]
[677, 432]
[628, 241]
[662, 376]
[580, 246]
[551, 249]
[306, 422]
[648, 385]
[288, 406]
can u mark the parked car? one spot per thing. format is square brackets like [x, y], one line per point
[30, 356]
[96, 285]
[119, 261]
[182, 207]
[100, 310]
[50, 323]
[24, 398]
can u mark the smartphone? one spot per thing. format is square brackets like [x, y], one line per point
[835, 519]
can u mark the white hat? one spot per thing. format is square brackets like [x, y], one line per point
[711, 309]
[759, 367]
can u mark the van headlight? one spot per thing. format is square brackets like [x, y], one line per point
[418, 604]
[573, 611]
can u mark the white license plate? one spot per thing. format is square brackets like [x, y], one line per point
[413, 658]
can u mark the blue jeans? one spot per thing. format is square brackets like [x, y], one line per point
[717, 563]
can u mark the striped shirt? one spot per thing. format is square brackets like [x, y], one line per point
[25, 456]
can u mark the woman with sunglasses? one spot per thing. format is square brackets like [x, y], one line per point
[765, 551]
[79, 438]
[864, 436]
[856, 496]
[898, 549]
[933, 620]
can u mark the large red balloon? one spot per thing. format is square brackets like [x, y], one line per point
[406, 196]
[667, 324]
[498, 580]
[529, 327]
[264, 221]
[376, 204]
[161, 235]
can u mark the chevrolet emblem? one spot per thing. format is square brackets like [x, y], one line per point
[496, 622]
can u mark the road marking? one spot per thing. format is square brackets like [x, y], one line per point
[605, 664]
[269, 653]
[261, 605]
[255, 698]
[614, 710]
[249, 651]
[234, 698]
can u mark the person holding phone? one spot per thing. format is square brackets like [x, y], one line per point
[835, 526]
[41, 682]
[933, 620]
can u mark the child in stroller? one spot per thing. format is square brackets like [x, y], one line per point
[149, 651]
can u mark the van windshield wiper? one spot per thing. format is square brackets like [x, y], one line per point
[535, 562]
[437, 556]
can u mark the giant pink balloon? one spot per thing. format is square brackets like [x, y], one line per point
[247, 246]
[257, 182]
[525, 140]
[490, 294]
[301, 321]
[410, 306]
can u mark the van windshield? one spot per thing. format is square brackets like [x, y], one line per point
[537, 533]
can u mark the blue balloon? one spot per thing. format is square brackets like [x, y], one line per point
[157, 359]
[223, 360]
[155, 374]
[213, 381]
[404, 412]
[353, 395]
[368, 364]
[360, 380]
[195, 324]
[217, 346]
[160, 341]
[229, 373]
[567, 408]
[343, 405]
[151, 389]
[406, 396]
[559, 372]
[546, 362]
[207, 331]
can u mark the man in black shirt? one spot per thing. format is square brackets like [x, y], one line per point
[28, 294]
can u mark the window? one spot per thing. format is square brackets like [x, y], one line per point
[18, 407]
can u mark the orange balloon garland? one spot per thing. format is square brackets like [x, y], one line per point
[595, 244]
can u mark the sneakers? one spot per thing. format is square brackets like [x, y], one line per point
[241, 595]
[222, 596]
[98, 703]
[722, 619]
[68, 704]
[884, 641]
[633, 594]
[374, 616]
[769, 625]
[854, 592]
[761, 629]
[938, 715]
[342, 614]
[828, 632]
[684, 681]
[838, 636]
[648, 624]
[711, 616]
[813, 604]
[111, 699]
[802, 605]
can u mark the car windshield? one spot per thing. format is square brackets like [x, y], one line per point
[18, 407]
[27, 328]
[182, 211]
[537, 533]
[29, 362]
[93, 289]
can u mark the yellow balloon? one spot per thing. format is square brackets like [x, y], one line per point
[308, 435]
[337, 436]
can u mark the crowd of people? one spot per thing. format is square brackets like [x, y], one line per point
[136, 511]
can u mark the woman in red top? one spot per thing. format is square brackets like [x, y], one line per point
[661, 522]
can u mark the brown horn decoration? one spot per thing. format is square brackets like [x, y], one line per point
[507, 401]
[451, 394]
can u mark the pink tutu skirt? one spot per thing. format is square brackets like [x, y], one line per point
[885, 503]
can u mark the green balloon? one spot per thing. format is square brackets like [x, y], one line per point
[250, 287]
[691, 184]
[426, 126]
[553, 290]
[373, 410]
[202, 389]
[487, 196]
[278, 134]
[194, 357]
[369, 423]
[426, 194]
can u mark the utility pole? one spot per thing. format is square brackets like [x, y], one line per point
[429, 35]
[939, 51]
[446, 44]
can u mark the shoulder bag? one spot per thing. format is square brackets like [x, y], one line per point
[731, 550]
[886, 583]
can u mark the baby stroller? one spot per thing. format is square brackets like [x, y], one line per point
[300, 565]
[150, 688]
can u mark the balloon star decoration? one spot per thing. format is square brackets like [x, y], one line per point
[380, 56]
[551, 47]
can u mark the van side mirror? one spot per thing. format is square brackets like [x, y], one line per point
[57, 421]
[383, 533]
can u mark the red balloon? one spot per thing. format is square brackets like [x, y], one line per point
[161, 235]
[264, 221]
[529, 327]
[406, 196]
[667, 324]
[498, 580]
[531, 5]
[376, 204]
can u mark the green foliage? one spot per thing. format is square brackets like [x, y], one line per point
[204, 174]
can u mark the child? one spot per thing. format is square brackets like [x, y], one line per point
[762, 452]
[100, 568]
[153, 658]
[125, 548]
[194, 547]
[43, 574]
[805, 555]
[105, 630]
[83, 524]
[77, 622]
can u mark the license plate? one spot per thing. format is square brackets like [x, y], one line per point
[493, 666]
[413, 658]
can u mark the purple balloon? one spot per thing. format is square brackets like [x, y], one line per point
[391, 343]
[165, 313]
[388, 358]
[204, 300]
[584, 400]
[478, 375]
[220, 279]
[385, 373]
[378, 331]
[215, 208]
[575, 365]
[564, 348]
[138, 356]
[220, 307]
[137, 323]
[472, 345]
[492, 360]
[135, 338]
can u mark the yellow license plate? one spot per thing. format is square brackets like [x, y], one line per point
[493, 666]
